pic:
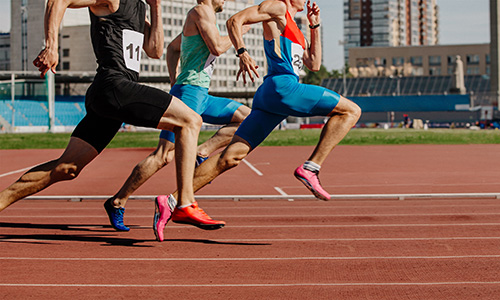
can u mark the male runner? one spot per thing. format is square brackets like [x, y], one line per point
[119, 29]
[281, 94]
[197, 48]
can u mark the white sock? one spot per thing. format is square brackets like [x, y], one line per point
[172, 203]
[311, 166]
[182, 206]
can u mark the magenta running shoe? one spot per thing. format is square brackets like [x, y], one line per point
[164, 206]
[311, 181]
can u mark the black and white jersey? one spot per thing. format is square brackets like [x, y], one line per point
[118, 38]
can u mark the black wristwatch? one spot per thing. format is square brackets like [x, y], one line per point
[314, 26]
[241, 51]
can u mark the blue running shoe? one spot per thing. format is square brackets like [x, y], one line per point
[200, 160]
[115, 215]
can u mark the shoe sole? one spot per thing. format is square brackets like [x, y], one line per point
[155, 220]
[202, 226]
[310, 187]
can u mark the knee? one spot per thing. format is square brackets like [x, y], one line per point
[240, 114]
[194, 120]
[229, 161]
[353, 111]
[65, 171]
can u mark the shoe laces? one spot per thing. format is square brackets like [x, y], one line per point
[203, 213]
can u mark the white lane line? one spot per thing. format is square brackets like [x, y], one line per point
[248, 258]
[213, 285]
[315, 240]
[16, 171]
[282, 192]
[374, 215]
[338, 225]
[253, 168]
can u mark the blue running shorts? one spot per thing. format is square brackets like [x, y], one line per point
[281, 96]
[213, 110]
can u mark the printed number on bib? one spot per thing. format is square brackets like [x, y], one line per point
[132, 45]
[297, 54]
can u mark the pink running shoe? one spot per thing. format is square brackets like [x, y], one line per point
[164, 205]
[311, 181]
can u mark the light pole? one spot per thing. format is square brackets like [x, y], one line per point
[344, 92]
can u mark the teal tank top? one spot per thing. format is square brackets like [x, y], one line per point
[197, 63]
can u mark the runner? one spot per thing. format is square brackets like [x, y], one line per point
[281, 94]
[197, 48]
[119, 29]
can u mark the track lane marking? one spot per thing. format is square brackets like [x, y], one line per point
[212, 285]
[249, 258]
[16, 171]
[253, 168]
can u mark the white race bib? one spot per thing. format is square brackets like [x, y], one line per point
[210, 65]
[297, 55]
[132, 46]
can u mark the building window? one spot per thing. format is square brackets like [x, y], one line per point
[398, 61]
[488, 59]
[434, 60]
[66, 65]
[473, 59]
[65, 53]
[416, 60]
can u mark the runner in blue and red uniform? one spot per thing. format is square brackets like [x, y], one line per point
[119, 30]
[281, 95]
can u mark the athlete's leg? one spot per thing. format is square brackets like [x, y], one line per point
[186, 124]
[77, 155]
[160, 157]
[224, 135]
[343, 117]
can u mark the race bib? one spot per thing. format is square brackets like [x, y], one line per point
[210, 65]
[132, 46]
[297, 55]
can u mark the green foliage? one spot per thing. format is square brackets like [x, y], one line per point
[306, 137]
[315, 77]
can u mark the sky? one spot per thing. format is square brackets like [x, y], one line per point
[461, 22]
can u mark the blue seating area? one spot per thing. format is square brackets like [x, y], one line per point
[68, 111]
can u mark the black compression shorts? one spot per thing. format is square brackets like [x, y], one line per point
[111, 102]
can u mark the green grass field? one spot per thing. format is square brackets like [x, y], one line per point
[306, 137]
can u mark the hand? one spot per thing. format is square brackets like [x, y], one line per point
[313, 13]
[247, 65]
[46, 60]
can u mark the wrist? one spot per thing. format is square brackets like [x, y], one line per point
[314, 26]
[240, 51]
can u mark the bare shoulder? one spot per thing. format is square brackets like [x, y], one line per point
[275, 8]
[99, 7]
[202, 12]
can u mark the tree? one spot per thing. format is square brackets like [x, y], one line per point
[316, 77]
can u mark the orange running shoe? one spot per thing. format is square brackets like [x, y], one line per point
[194, 215]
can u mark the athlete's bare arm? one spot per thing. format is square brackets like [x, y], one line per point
[173, 56]
[48, 58]
[153, 32]
[312, 55]
[272, 14]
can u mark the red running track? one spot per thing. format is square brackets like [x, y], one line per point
[270, 249]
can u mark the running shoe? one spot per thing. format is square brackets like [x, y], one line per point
[164, 205]
[115, 215]
[200, 160]
[311, 181]
[194, 215]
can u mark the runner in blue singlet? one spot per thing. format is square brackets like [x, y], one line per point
[281, 94]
